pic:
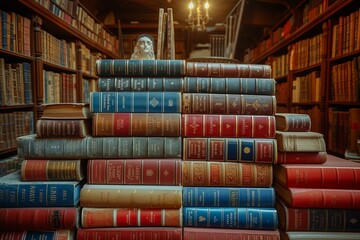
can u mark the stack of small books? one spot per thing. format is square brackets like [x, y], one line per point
[318, 195]
[41, 200]
[228, 129]
[135, 193]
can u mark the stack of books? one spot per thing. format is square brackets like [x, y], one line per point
[318, 195]
[42, 199]
[136, 192]
[228, 129]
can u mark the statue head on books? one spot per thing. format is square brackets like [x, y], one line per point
[144, 48]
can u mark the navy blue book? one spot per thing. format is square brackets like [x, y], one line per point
[15, 193]
[240, 218]
[142, 102]
[228, 197]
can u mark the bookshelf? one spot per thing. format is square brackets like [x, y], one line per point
[314, 53]
[47, 54]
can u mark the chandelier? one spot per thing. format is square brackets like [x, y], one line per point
[200, 18]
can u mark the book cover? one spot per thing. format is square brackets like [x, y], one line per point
[137, 124]
[251, 150]
[237, 104]
[141, 102]
[230, 126]
[16, 193]
[28, 234]
[317, 235]
[212, 69]
[53, 170]
[252, 86]
[200, 173]
[66, 111]
[134, 171]
[318, 197]
[230, 217]
[131, 196]
[317, 219]
[31, 147]
[130, 217]
[293, 122]
[300, 141]
[140, 84]
[301, 157]
[228, 197]
[334, 173]
[140, 68]
[158, 233]
[199, 233]
[38, 218]
[63, 128]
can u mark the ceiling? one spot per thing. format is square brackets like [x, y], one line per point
[258, 16]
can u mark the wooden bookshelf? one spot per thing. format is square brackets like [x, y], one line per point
[315, 63]
[60, 41]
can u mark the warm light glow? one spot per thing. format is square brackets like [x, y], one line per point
[206, 6]
[191, 5]
[201, 17]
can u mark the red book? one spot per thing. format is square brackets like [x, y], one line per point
[38, 218]
[318, 197]
[245, 126]
[158, 233]
[211, 69]
[334, 173]
[134, 171]
[301, 157]
[130, 217]
[228, 234]
[48, 235]
[199, 173]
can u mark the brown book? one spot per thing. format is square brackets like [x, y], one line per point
[300, 141]
[62, 128]
[293, 122]
[137, 124]
[211, 69]
[205, 103]
[334, 173]
[198, 173]
[52, 170]
[66, 111]
[354, 131]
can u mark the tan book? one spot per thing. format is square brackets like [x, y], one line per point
[300, 141]
[66, 111]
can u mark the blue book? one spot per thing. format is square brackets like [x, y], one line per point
[27, 83]
[16, 193]
[140, 68]
[241, 218]
[38, 235]
[228, 197]
[154, 102]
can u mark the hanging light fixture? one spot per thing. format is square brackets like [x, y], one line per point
[200, 18]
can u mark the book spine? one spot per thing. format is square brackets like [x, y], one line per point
[40, 234]
[211, 103]
[134, 197]
[60, 128]
[139, 68]
[255, 86]
[130, 217]
[241, 218]
[319, 219]
[301, 157]
[38, 218]
[158, 233]
[142, 102]
[228, 197]
[30, 147]
[201, 69]
[140, 84]
[200, 173]
[134, 171]
[297, 123]
[38, 195]
[257, 150]
[136, 124]
[51, 170]
[236, 126]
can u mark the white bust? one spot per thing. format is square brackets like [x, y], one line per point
[144, 48]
